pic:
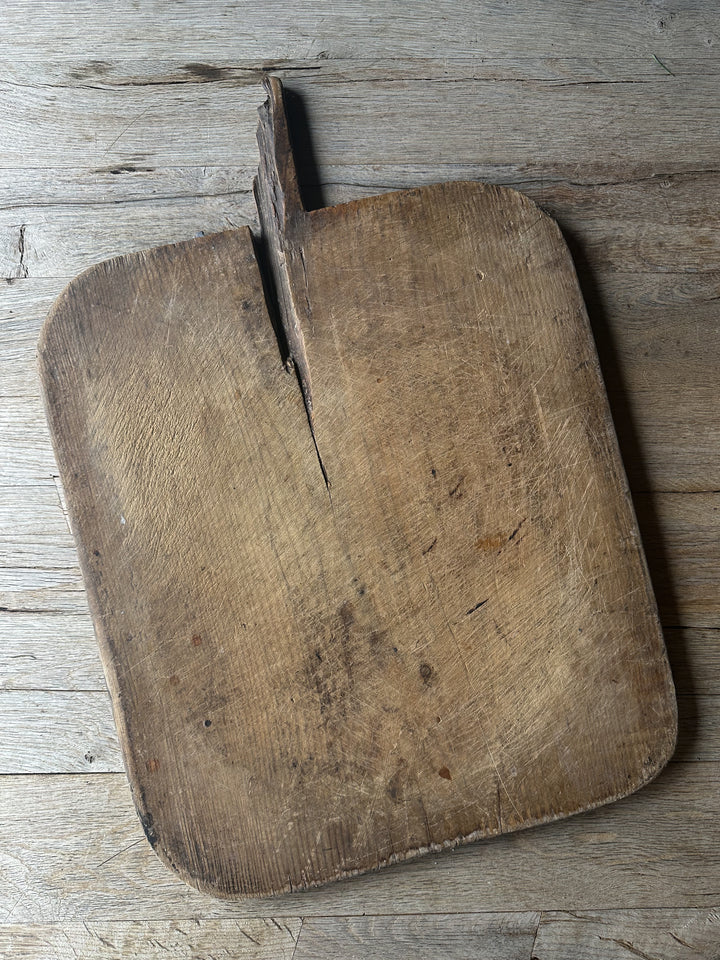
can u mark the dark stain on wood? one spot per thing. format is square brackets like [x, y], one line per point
[208, 73]
[430, 547]
[476, 607]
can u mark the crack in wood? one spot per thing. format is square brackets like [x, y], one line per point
[631, 948]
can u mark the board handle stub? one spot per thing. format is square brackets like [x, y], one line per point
[276, 186]
[283, 222]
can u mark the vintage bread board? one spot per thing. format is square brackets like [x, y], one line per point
[383, 598]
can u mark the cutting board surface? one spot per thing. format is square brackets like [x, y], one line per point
[426, 619]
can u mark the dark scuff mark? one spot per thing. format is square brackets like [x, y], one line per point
[207, 73]
[248, 937]
[516, 530]
[477, 606]
[456, 492]
[429, 548]
[126, 168]
[22, 266]
[426, 672]
[146, 822]
[397, 783]
[94, 68]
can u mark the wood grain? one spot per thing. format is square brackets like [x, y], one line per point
[692, 563]
[254, 939]
[685, 570]
[506, 936]
[654, 854]
[661, 934]
[92, 132]
[53, 731]
[49, 651]
[657, 848]
[159, 29]
[647, 225]
[651, 224]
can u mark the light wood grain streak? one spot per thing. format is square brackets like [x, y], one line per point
[552, 935]
[242, 71]
[196, 31]
[42, 590]
[25, 448]
[53, 247]
[252, 938]
[607, 859]
[50, 651]
[500, 936]
[57, 731]
[96, 128]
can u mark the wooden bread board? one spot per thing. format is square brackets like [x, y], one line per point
[363, 566]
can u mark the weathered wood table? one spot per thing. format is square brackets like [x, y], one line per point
[131, 126]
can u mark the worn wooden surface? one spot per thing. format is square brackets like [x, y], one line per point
[564, 101]
[410, 613]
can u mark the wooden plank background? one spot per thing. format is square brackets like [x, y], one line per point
[133, 124]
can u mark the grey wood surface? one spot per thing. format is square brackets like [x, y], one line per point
[130, 125]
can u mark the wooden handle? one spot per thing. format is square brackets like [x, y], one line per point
[284, 224]
[276, 184]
